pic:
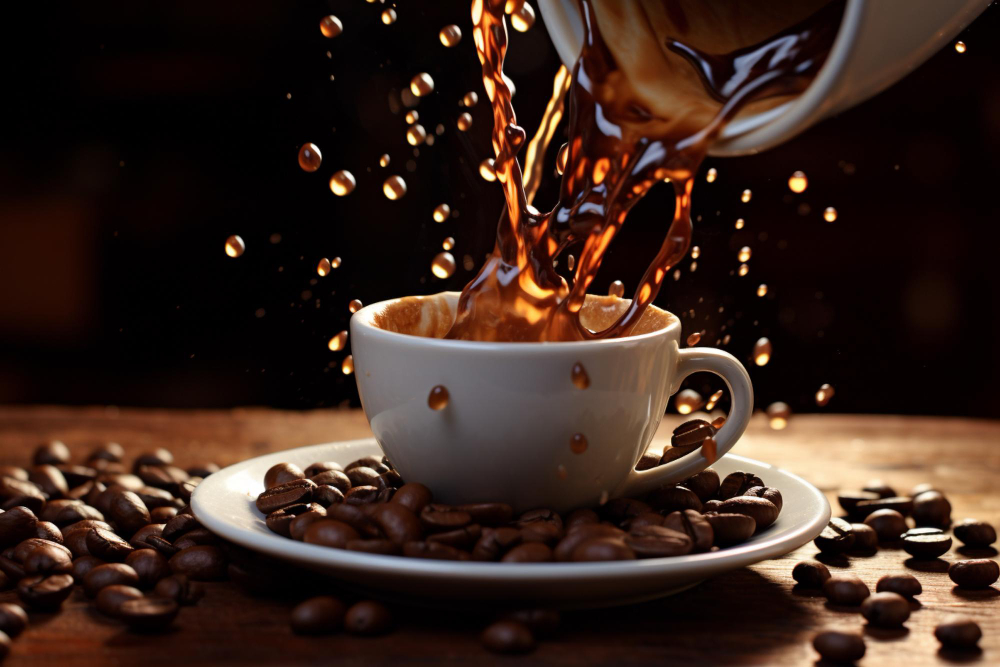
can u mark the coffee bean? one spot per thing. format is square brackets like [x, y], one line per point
[361, 476]
[14, 472]
[124, 480]
[375, 546]
[712, 505]
[16, 524]
[52, 453]
[140, 540]
[975, 573]
[618, 510]
[879, 488]
[931, 508]
[397, 522]
[887, 524]
[290, 493]
[865, 538]
[463, 538]
[904, 584]
[327, 495]
[433, 551]
[179, 588]
[334, 478]
[49, 479]
[837, 537]
[109, 451]
[148, 613]
[156, 457]
[845, 589]
[150, 565]
[579, 534]
[75, 475]
[810, 574]
[956, 632]
[498, 514]
[541, 622]
[330, 533]
[729, 529]
[922, 531]
[413, 496]
[367, 618]
[358, 518]
[692, 433]
[321, 615]
[282, 473]
[391, 479]
[694, 525]
[603, 548]
[361, 495]
[72, 513]
[674, 453]
[23, 549]
[322, 466]
[280, 521]
[75, 535]
[128, 512]
[767, 493]
[297, 528]
[107, 545]
[508, 637]
[495, 542]
[658, 542]
[645, 519]
[738, 483]
[926, 546]
[529, 552]
[763, 511]
[83, 565]
[437, 517]
[647, 461]
[704, 484]
[109, 574]
[15, 493]
[50, 558]
[45, 592]
[673, 498]
[376, 463]
[13, 619]
[163, 477]
[199, 563]
[886, 610]
[177, 526]
[903, 505]
[13, 570]
[110, 599]
[839, 647]
[162, 545]
[976, 534]
[203, 470]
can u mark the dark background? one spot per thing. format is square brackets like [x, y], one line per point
[140, 135]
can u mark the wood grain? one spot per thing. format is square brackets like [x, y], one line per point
[752, 616]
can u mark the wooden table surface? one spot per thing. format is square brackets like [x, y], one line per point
[751, 616]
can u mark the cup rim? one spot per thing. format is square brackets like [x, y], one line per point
[364, 320]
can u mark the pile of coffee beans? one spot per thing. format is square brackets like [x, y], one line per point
[876, 516]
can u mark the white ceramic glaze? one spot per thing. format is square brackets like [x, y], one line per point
[224, 503]
[513, 409]
[880, 42]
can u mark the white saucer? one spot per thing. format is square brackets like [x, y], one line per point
[224, 503]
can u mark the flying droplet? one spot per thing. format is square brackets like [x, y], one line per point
[412, 116]
[441, 212]
[617, 288]
[347, 365]
[713, 399]
[744, 269]
[762, 352]
[323, 267]
[694, 339]
[337, 342]
[695, 252]
[579, 376]
[342, 183]
[687, 401]
[384, 160]
[798, 182]
[710, 450]
[578, 443]
[778, 414]
[309, 157]
[523, 18]
[443, 265]
[450, 35]
[355, 305]
[693, 267]
[830, 214]
[389, 16]
[960, 47]
[512, 6]
[562, 159]
[235, 246]
[711, 175]
[422, 84]
[448, 243]
[745, 197]
[571, 262]
[415, 134]
[761, 289]
[744, 254]
[438, 398]
[330, 26]
[394, 187]
[470, 99]
[824, 395]
[335, 262]
[487, 171]
[464, 122]
[740, 223]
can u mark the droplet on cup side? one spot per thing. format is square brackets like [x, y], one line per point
[347, 365]
[745, 197]
[470, 99]
[744, 254]
[740, 223]
[355, 305]
[744, 269]
[335, 262]
[695, 252]
[235, 246]
[464, 121]
[578, 443]
[617, 288]
[342, 183]
[412, 116]
[579, 376]
[384, 160]
[438, 398]
[761, 289]
[448, 243]
[310, 157]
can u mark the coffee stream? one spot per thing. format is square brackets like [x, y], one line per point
[618, 149]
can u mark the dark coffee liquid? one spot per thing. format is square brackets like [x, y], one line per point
[619, 147]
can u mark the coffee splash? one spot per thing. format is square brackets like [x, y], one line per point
[624, 137]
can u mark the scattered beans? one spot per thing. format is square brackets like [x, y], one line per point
[367, 618]
[837, 537]
[973, 533]
[110, 598]
[810, 574]
[931, 508]
[45, 592]
[926, 546]
[888, 524]
[845, 589]
[844, 647]
[975, 573]
[904, 584]
[886, 609]
[508, 636]
[320, 615]
[865, 538]
[958, 632]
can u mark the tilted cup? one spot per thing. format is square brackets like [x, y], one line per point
[505, 433]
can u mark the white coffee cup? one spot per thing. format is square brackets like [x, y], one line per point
[505, 433]
[879, 42]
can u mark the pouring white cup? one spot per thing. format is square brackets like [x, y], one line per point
[879, 42]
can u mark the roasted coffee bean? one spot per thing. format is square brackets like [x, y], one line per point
[126, 481]
[583, 533]
[921, 488]
[75, 535]
[886, 610]
[51, 453]
[357, 517]
[931, 508]
[162, 477]
[674, 453]
[186, 489]
[375, 546]
[603, 548]
[362, 476]
[76, 475]
[903, 584]
[845, 589]
[297, 528]
[334, 478]
[729, 529]
[327, 495]
[763, 511]
[849, 500]
[199, 563]
[11, 568]
[903, 505]
[110, 598]
[22, 549]
[179, 588]
[156, 457]
[397, 522]
[200, 536]
[322, 466]
[153, 497]
[440, 518]
[15, 493]
[541, 622]
[109, 574]
[508, 637]
[321, 615]
[839, 647]
[957, 632]
[361, 495]
[433, 551]
[619, 510]
[463, 538]
[140, 540]
[282, 473]
[13, 619]
[837, 537]
[177, 526]
[498, 514]
[109, 451]
[391, 479]
[912, 532]
[673, 498]
[975, 573]
[16, 524]
[767, 493]
[865, 538]
[330, 533]
[128, 512]
[290, 493]
[810, 574]
[414, 497]
[376, 463]
[888, 524]
[45, 592]
[83, 565]
[647, 461]
[495, 542]
[540, 525]
[202, 470]
[976, 534]
[49, 479]
[529, 552]
[65, 512]
[658, 542]
[50, 558]
[693, 432]
[694, 525]
[107, 545]
[14, 472]
[162, 545]
[704, 484]
[150, 565]
[738, 483]
[645, 519]
[79, 492]
[148, 613]
[367, 618]
[712, 505]
[879, 488]
[927, 546]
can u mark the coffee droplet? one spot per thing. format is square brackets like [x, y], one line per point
[778, 414]
[744, 269]
[562, 159]
[561, 472]
[693, 267]
[441, 212]
[798, 182]
[711, 175]
[309, 157]
[448, 243]
[330, 26]
[710, 450]
[394, 187]
[389, 16]
[415, 134]
[762, 352]
[486, 170]
[470, 99]
[450, 35]
[335, 262]
[422, 84]
[342, 183]
[355, 305]
[744, 254]
[829, 214]
[235, 246]
[960, 47]
[443, 265]
[337, 342]
[617, 288]
[740, 223]
[687, 401]
[323, 267]
[438, 398]
[578, 443]
[745, 197]
[571, 262]
[523, 18]
[824, 395]
[464, 122]
[412, 116]
[761, 289]
[713, 399]
[384, 160]
[579, 376]
[695, 252]
[718, 422]
[468, 263]
[693, 339]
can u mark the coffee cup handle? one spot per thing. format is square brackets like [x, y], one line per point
[696, 360]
